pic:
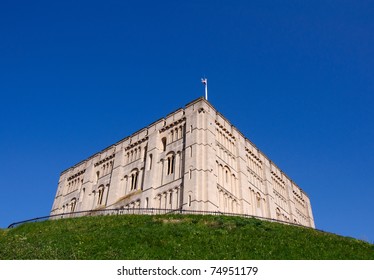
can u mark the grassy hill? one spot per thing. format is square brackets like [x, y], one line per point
[174, 237]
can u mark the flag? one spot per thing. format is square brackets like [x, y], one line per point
[204, 81]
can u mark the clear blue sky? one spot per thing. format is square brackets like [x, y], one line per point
[296, 78]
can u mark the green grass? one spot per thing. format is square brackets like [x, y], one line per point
[175, 237]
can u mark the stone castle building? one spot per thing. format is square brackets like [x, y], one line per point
[192, 159]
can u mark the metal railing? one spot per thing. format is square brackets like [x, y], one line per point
[145, 211]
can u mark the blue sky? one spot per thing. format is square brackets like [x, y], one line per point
[296, 78]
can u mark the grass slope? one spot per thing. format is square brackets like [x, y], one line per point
[174, 237]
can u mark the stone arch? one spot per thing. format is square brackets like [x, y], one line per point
[134, 179]
[100, 196]
[278, 213]
[163, 141]
[170, 159]
[73, 203]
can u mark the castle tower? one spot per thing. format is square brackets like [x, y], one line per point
[193, 159]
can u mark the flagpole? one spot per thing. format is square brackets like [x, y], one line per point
[205, 83]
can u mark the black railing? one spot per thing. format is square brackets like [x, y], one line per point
[144, 211]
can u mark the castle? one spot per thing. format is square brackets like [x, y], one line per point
[192, 159]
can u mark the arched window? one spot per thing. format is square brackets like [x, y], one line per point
[163, 140]
[73, 203]
[258, 199]
[171, 164]
[171, 136]
[278, 212]
[171, 200]
[100, 195]
[134, 179]
[97, 176]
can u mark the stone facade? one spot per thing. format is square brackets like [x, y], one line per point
[192, 159]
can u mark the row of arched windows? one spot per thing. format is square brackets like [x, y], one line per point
[255, 180]
[176, 133]
[301, 217]
[74, 184]
[226, 178]
[279, 185]
[224, 140]
[227, 202]
[300, 205]
[280, 200]
[131, 182]
[254, 164]
[225, 155]
[98, 196]
[168, 199]
[133, 155]
[281, 216]
[258, 203]
[133, 205]
[171, 167]
[68, 207]
[105, 169]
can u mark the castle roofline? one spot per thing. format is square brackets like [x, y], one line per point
[163, 119]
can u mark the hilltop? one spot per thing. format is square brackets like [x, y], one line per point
[175, 237]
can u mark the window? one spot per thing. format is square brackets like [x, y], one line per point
[171, 161]
[163, 144]
[101, 195]
[189, 200]
[258, 198]
[73, 204]
[278, 212]
[171, 136]
[134, 179]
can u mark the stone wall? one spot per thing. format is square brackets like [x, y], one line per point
[192, 159]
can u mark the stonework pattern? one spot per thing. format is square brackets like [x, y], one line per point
[193, 159]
